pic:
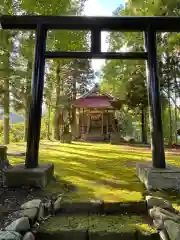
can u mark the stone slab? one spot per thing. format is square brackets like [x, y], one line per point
[123, 208]
[112, 235]
[19, 176]
[147, 236]
[157, 178]
[62, 235]
[91, 207]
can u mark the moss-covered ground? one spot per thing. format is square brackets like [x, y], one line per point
[86, 171]
[96, 224]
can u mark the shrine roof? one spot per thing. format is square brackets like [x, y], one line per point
[95, 99]
[96, 92]
[93, 102]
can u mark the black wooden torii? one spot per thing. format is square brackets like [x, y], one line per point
[148, 25]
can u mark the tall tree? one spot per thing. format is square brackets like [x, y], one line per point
[21, 81]
[6, 49]
[117, 76]
[58, 40]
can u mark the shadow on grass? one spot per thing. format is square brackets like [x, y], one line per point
[97, 171]
[92, 173]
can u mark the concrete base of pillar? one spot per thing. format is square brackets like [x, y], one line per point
[156, 178]
[19, 176]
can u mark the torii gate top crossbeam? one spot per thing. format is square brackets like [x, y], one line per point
[164, 24]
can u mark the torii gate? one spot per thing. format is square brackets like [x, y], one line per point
[149, 25]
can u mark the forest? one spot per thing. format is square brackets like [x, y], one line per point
[127, 79]
[66, 79]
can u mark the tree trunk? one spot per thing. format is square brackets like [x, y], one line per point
[26, 119]
[170, 114]
[49, 122]
[175, 110]
[56, 114]
[73, 120]
[26, 110]
[6, 111]
[143, 126]
[27, 99]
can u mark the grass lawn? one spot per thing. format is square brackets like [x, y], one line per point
[95, 171]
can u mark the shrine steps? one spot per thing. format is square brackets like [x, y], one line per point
[99, 220]
[94, 139]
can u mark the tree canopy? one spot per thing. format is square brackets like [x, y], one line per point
[127, 79]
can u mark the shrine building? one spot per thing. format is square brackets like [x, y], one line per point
[96, 115]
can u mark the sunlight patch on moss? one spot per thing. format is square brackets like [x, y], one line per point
[93, 170]
[144, 227]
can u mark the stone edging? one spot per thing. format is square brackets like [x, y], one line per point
[101, 207]
[87, 235]
[165, 218]
[27, 220]
[32, 213]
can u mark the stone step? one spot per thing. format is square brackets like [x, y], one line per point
[86, 235]
[101, 207]
[94, 139]
[97, 227]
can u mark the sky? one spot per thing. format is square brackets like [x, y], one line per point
[101, 8]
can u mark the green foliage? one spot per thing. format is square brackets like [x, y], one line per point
[127, 79]
[17, 56]
[16, 131]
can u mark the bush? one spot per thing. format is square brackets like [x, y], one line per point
[16, 131]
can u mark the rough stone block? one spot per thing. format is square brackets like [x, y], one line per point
[173, 229]
[57, 204]
[28, 236]
[34, 209]
[31, 213]
[158, 224]
[19, 225]
[35, 203]
[41, 212]
[158, 202]
[156, 178]
[19, 176]
[48, 207]
[10, 235]
[163, 235]
[162, 214]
